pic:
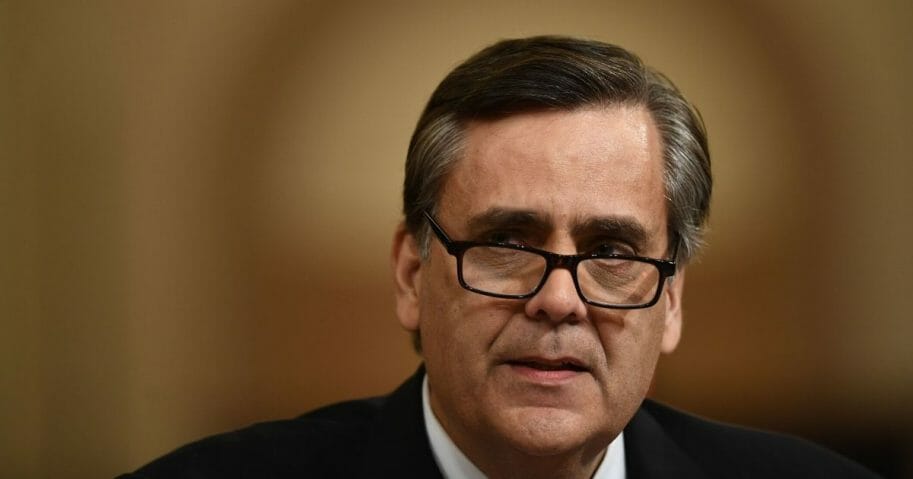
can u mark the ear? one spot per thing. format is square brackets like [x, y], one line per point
[407, 265]
[673, 321]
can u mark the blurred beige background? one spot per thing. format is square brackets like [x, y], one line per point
[198, 198]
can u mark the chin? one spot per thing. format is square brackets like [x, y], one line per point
[541, 431]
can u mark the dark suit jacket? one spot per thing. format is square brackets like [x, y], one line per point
[385, 437]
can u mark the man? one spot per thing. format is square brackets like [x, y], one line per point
[555, 191]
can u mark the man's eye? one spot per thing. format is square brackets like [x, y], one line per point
[613, 248]
[507, 237]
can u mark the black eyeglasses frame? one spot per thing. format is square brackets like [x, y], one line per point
[553, 261]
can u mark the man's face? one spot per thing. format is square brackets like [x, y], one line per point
[549, 374]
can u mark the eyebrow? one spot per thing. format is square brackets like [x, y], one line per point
[624, 228]
[497, 217]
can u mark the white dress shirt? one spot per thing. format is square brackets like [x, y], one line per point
[455, 465]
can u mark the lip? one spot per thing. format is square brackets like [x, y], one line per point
[548, 370]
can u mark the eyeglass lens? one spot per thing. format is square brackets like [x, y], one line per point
[509, 271]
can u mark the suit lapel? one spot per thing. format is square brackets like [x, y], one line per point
[398, 445]
[651, 454]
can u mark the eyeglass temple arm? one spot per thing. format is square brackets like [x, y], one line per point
[437, 229]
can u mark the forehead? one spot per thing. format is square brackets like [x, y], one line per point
[568, 166]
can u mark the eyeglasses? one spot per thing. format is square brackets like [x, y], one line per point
[514, 271]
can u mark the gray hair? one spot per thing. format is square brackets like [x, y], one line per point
[559, 73]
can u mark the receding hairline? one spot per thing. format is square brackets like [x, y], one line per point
[465, 126]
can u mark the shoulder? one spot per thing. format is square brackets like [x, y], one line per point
[326, 442]
[724, 450]
[375, 437]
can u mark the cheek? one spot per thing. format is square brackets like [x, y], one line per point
[442, 315]
[435, 320]
[438, 287]
[459, 327]
[631, 343]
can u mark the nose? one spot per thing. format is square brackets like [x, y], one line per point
[557, 300]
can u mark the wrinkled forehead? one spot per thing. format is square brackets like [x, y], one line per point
[567, 166]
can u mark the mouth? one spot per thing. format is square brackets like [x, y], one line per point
[568, 365]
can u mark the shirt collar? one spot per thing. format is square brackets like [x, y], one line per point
[455, 465]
